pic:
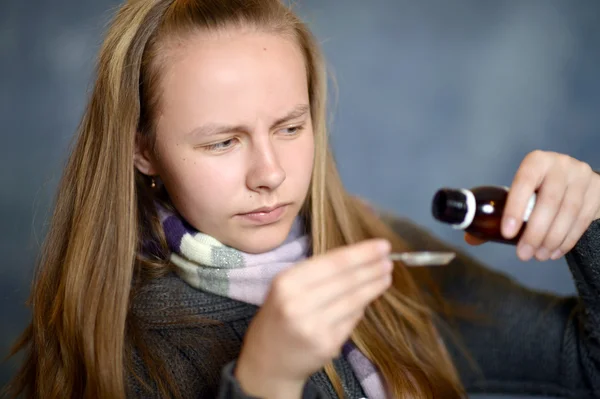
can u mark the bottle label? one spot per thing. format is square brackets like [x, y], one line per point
[471, 208]
[529, 208]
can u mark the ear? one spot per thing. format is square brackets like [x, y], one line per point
[143, 159]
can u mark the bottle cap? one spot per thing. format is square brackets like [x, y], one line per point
[450, 206]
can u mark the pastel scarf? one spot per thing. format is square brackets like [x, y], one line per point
[208, 265]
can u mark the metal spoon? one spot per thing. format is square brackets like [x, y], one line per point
[423, 258]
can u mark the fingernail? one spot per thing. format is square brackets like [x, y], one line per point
[556, 254]
[542, 254]
[387, 278]
[385, 246]
[510, 227]
[525, 251]
[388, 265]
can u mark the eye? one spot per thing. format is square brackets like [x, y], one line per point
[220, 146]
[292, 130]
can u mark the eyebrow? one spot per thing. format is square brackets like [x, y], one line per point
[213, 129]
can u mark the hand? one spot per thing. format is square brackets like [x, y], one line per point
[568, 200]
[309, 313]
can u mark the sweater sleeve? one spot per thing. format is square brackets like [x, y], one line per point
[230, 387]
[518, 340]
[198, 368]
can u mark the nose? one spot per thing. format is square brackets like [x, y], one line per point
[265, 172]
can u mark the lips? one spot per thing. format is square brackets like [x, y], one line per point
[264, 209]
[265, 215]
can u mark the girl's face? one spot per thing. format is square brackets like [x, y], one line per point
[234, 139]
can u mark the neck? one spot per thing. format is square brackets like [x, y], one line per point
[205, 263]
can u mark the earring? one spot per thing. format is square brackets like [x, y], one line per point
[153, 183]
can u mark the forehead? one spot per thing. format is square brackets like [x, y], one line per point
[234, 74]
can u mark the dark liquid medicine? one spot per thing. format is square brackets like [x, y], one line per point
[477, 211]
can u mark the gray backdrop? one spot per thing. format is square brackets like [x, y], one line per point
[431, 93]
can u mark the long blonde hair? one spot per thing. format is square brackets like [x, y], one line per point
[77, 342]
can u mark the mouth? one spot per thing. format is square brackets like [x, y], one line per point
[265, 215]
[264, 209]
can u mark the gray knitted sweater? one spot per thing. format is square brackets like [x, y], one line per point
[536, 343]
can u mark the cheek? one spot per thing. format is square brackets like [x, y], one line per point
[197, 182]
[299, 160]
[209, 187]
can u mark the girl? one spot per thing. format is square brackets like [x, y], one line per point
[202, 243]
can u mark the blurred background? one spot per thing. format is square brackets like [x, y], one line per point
[431, 93]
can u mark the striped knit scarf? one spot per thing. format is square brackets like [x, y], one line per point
[208, 265]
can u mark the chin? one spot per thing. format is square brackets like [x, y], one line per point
[264, 238]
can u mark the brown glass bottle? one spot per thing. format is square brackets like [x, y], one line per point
[477, 211]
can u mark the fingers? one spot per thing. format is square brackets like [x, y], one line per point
[566, 204]
[338, 261]
[342, 329]
[567, 216]
[549, 199]
[330, 311]
[586, 215]
[528, 178]
[308, 287]
[349, 290]
[355, 300]
[332, 336]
